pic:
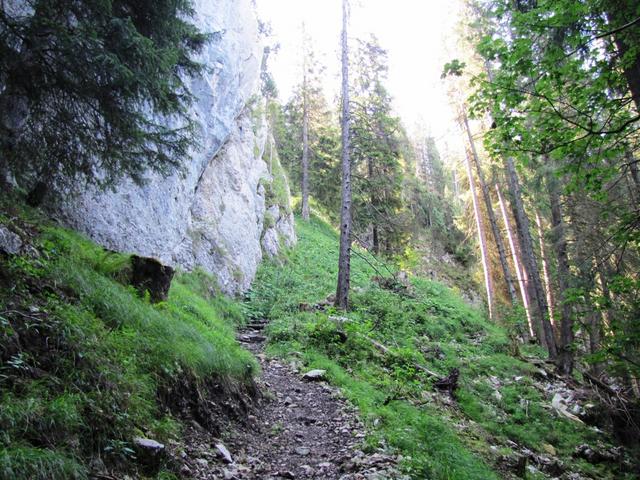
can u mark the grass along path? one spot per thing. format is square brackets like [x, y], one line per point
[503, 414]
[88, 365]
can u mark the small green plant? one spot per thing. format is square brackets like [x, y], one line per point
[120, 450]
[269, 221]
[276, 429]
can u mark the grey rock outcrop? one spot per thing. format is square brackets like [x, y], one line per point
[9, 242]
[213, 215]
[229, 209]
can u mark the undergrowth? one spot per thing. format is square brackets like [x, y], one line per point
[424, 325]
[87, 363]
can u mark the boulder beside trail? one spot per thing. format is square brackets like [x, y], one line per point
[149, 453]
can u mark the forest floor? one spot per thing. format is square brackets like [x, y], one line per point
[300, 427]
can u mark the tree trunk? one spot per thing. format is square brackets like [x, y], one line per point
[305, 142]
[481, 237]
[633, 167]
[635, 175]
[373, 199]
[344, 260]
[545, 331]
[545, 271]
[375, 239]
[595, 340]
[456, 188]
[492, 217]
[604, 273]
[620, 13]
[520, 276]
[565, 358]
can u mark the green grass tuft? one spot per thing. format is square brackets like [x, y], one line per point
[38, 464]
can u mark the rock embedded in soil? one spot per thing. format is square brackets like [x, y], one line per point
[10, 243]
[598, 455]
[148, 444]
[150, 453]
[252, 338]
[315, 375]
[303, 451]
[224, 453]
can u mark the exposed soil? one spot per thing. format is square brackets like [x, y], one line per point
[298, 429]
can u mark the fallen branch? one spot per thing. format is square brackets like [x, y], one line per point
[600, 384]
[561, 409]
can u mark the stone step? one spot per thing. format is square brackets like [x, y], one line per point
[251, 338]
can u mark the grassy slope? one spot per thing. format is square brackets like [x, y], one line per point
[87, 364]
[431, 327]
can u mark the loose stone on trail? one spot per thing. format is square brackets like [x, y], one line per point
[315, 375]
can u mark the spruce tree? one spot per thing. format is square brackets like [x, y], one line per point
[376, 152]
[94, 90]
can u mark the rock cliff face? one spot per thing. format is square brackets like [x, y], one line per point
[213, 215]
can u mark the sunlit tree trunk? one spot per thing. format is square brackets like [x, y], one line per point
[596, 320]
[344, 260]
[520, 276]
[492, 217]
[456, 188]
[604, 273]
[544, 328]
[545, 271]
[305, 131]
[305, 151]
[481, 237]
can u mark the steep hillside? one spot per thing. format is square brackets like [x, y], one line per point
[508, 416]
[87, 364]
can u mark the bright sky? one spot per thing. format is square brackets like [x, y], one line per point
[419, 36]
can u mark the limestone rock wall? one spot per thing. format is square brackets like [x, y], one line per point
[230, 214]
[213, 215]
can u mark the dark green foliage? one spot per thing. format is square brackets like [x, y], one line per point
[376, 154]
[324, 145]
[454, 67]
[565, 97]
[93, 90]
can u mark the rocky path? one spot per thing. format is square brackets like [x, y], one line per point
[300, 429]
